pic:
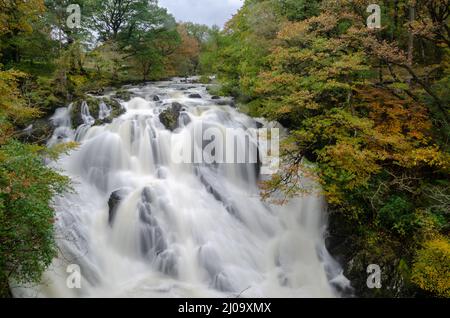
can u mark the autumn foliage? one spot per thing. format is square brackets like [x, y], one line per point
[367, 112]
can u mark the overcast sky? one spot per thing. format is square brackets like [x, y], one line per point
[207, 12]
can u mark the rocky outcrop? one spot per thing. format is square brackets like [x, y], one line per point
[94, 108]
[355, 253]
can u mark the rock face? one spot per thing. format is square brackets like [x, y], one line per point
[355, 255]
[169, 117]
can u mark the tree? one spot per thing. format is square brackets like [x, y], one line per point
[26, 217]
[113, 17]
[16, 18]
[185, 59]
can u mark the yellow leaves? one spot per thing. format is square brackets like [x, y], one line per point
[294, 32]
[358, 165]
[430, 156]
[301, 99]
[16, 16]
[12, 106]
[431, 270]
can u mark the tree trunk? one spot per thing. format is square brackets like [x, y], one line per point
[412, 17]
[5, 291]
[395, 29]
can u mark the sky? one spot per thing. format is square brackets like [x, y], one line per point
[207, 12]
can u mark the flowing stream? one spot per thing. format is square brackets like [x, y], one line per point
[140, 225]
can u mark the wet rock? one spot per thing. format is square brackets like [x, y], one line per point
[156, 98]
[215, 97]
[185, 119]
[226, 103]
[177, 107]
[195, 96]
[116, 108]
[259, 125]
[151, 235]
[38, 132]
[169, 117]
[123, 95]
[113, 203]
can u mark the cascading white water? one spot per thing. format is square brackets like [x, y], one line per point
[139, 225]
[104, 111]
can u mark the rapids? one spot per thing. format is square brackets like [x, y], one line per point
[139, 225]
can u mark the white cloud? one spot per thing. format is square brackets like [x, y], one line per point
[207, 12]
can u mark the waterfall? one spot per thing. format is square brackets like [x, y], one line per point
[86, 115]
[140, 225]
[104, 111]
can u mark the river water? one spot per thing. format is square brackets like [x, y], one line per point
[139, 225]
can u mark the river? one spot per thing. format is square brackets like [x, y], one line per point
[139, 225]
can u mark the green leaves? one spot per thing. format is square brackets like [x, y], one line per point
[27, 188]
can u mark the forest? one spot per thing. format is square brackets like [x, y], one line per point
[367, 112]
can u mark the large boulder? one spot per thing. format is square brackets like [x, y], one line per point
[124, 95]
[169, 117]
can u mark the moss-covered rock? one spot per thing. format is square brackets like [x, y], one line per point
[116, 108]
[75, 113]
[94, 109]
[123, 94]
[169, 117]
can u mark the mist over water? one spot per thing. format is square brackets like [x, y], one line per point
[140, 225]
